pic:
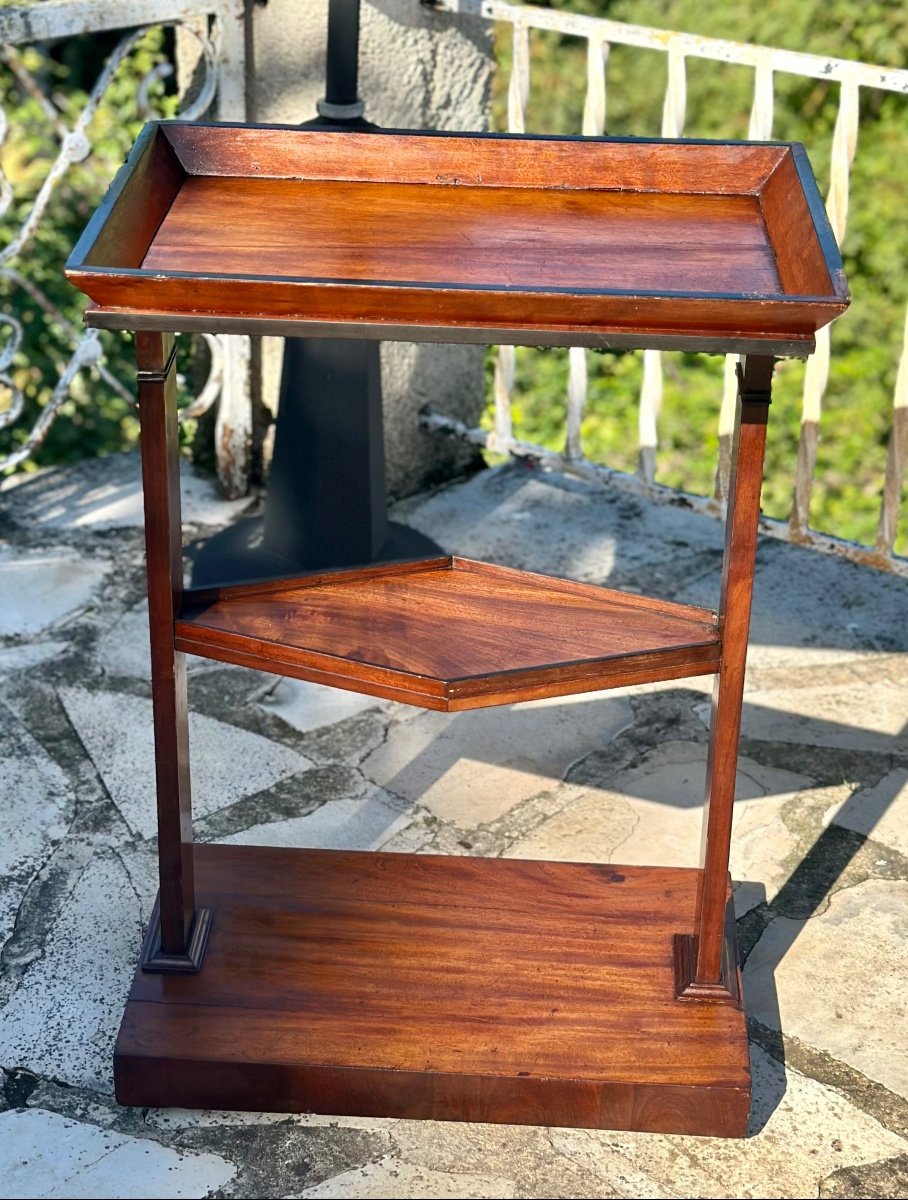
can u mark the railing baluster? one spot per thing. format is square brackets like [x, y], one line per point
[648, 417]
[726, 426]
[576, 402]
[816, 375]
[506, 361]
[519, 86]
[233, 435]
[503, 430]
[758, 130]
[896, 459]
[762, 109]
[673, 113]
[578, 366]
[594, 107]
[675, 104]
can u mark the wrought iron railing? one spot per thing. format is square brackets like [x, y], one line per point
[218, 27]
[852, 79]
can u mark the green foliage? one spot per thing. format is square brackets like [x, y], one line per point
[94, 419]
[866, 342]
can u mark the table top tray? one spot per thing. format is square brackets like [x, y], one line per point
[608, 241]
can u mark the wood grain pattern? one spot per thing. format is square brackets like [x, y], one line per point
[800, 260]
[450, 633]
[482, 160]
[489, 237]
[160, 445]
[722, 322]
[446, 988]
[790, 345]
[736, 594]
[665, 239]
[136, 204]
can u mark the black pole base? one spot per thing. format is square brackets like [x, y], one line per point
[325, 507]
[189, 962]
[340, 124]
[326, 504]
[237, 555]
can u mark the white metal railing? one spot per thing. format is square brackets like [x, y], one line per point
[600, 34]
[218, 27]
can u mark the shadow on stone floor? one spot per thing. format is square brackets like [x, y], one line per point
[519, 749]
[769, 1087]
[820, 874]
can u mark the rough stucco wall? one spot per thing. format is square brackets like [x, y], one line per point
[417, 70]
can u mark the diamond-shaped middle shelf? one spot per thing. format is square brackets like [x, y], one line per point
[450, 633]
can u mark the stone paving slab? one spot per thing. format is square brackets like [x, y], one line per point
[868, 717]
[20, 658]
[390, 1177]
[41, 588]
[819, 854]
[472, 767]
[43, 1155]
[878, 812]
[123, 648]
[801, 1133]
[837, 980]
[308, 706]
[63, 1018]
[228, 763]
[35, 812]
[106, 493]
[366, 822]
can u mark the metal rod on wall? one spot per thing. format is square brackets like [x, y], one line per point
[326, 504]
[342, 102]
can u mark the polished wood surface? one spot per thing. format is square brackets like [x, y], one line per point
[489, 237]
[791, 345]
[478, 160]
[594, 236]
[163, 550]
[450, 633]
[736, 594]
[801, 262]
[724, 323]
[135, 205]
[465, 989]
[448, 988]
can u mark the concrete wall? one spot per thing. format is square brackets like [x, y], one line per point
[417, 70]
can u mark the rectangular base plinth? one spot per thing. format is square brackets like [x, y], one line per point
[442, 988]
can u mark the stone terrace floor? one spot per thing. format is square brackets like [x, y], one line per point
[820, 854]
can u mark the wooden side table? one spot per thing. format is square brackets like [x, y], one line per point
[427, 986]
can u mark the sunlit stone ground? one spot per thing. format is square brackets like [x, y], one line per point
[820, 856]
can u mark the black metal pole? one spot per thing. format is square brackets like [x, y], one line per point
[326, 504]
[342, 102]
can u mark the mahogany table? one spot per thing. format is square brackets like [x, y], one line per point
[428, 986]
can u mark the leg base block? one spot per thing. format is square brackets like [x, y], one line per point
[153, 957]
[687, 987]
